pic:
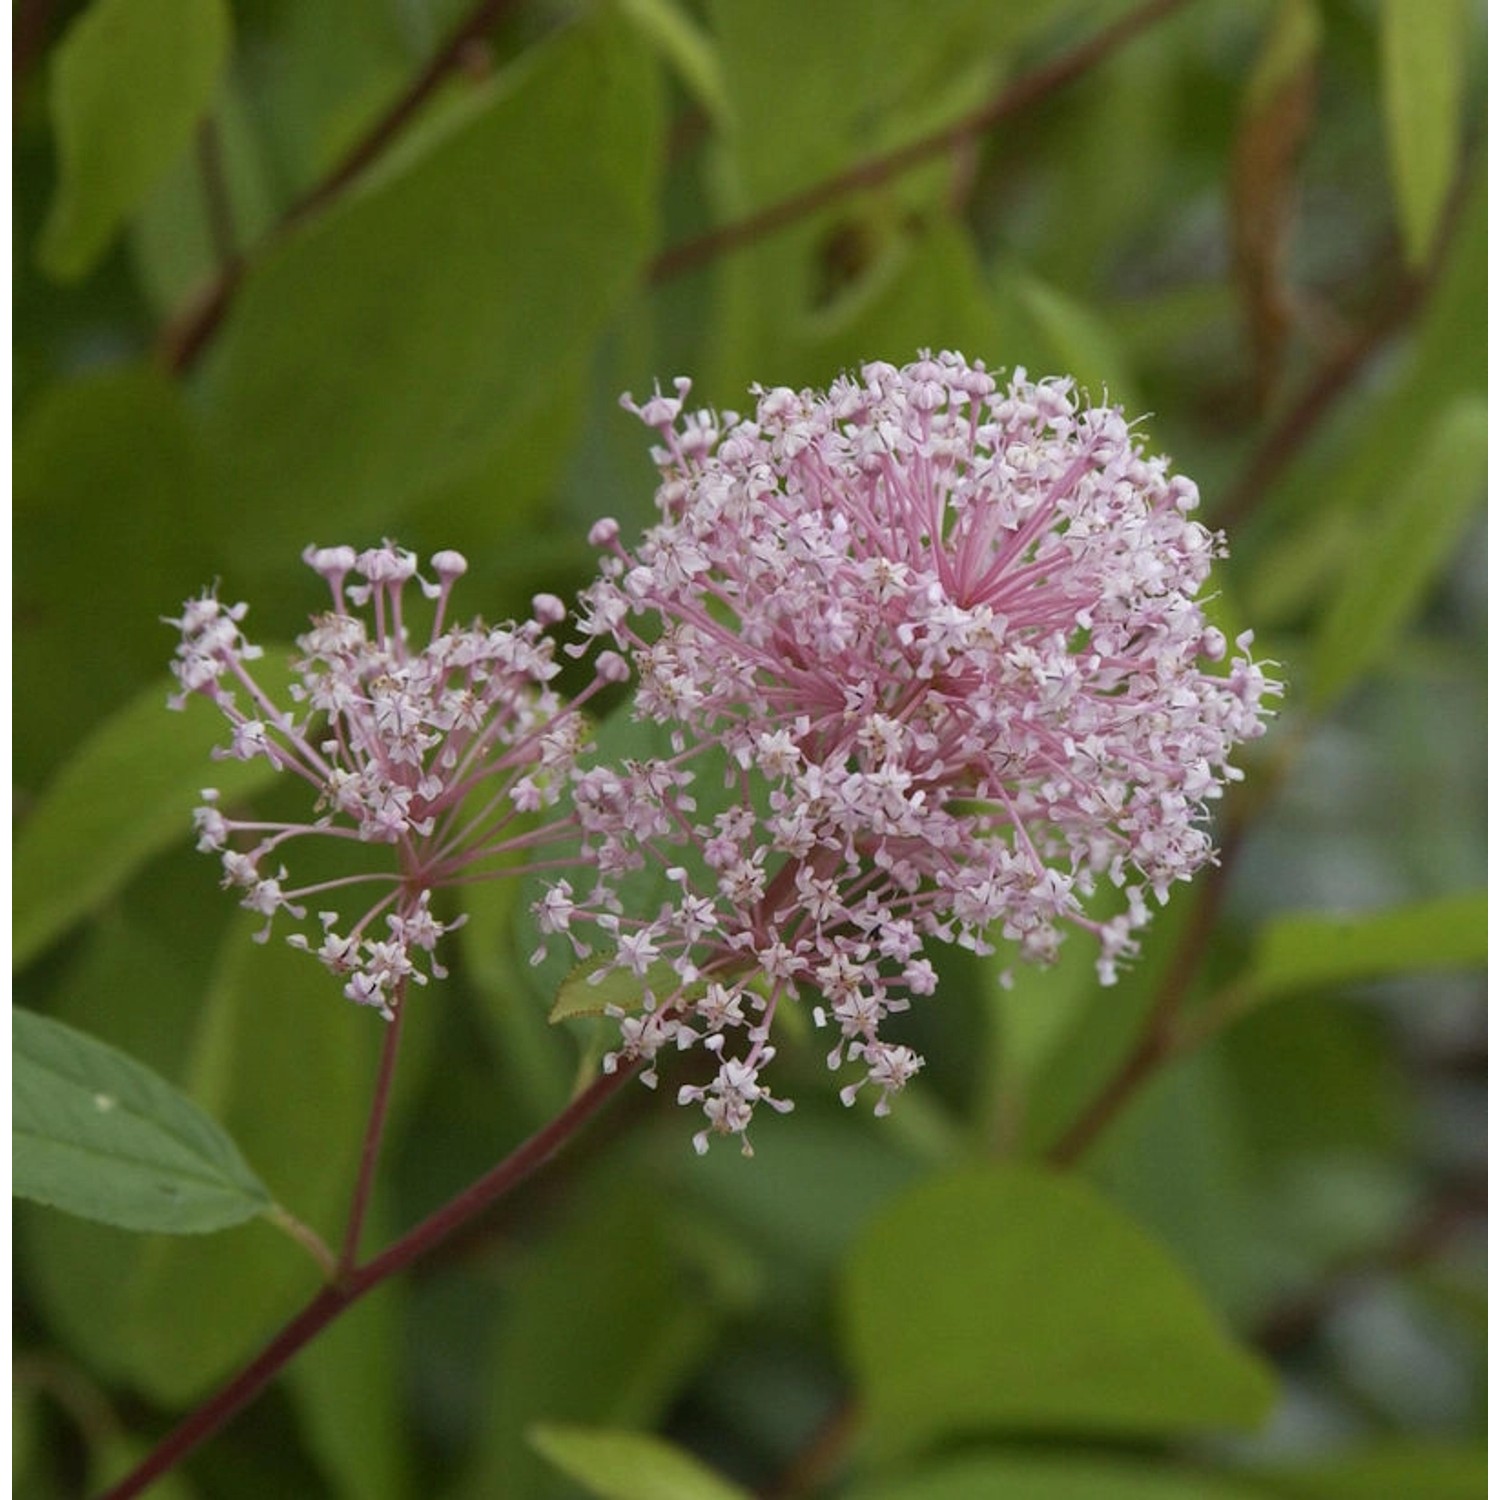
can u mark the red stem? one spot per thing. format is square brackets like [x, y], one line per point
[872, 171]
[333, 1300]
[369, 1156]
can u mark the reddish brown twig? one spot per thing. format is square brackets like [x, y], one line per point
[1025, 92]
[333, 1300]
[185, 337]
[1461, 1203]
[369, 1151]
[1289, 435]
[1159, 1039]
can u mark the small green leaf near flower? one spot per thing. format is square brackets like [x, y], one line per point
[99, 1135]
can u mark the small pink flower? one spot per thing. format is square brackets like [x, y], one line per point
[942, 641]
[446, 761]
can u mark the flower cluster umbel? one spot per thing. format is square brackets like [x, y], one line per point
[941, 640]
[450, 757]
[926, 660]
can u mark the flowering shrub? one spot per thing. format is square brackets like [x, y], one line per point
[924, 663]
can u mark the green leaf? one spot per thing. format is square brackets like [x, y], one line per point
[135, 981]
[1412, 1470]
[580, 994]
[97, 1134]
[1176, 1160]
[173, 241]
[130, 80]
[423, 317]
[288, 1064]
[535, 1059]
[1318, 514]
[119, 1454]
[128, 793]
[1409, 540]
[320, 76]
[814, 87]
[997, 1298]
[601, 1327]
[113, 514]
[1310, 950]
[1028, 1477]
[927, 291]
[1081, 343]
[689, 51]
[1422, 46]
[630, 1465]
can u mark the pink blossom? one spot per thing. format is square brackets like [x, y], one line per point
[942, 640]
[434, 765]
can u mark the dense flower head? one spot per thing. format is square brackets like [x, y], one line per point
[944, 637]
[441, 754]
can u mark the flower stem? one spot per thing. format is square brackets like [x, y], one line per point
[331, 1301]
[369, 1155]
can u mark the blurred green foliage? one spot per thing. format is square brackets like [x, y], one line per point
[1260, 226]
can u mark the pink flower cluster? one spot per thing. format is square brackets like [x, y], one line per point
[443, 755]
[941, 642]
[927, 662]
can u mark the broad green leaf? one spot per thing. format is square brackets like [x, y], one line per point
[601, 1327]
[1010, 1298]
[1004, 1476]
[519, 471]
[288, 1064]
[173, 243]
[1117, 155]
[689, 51]
[617, 1465]
[1308, 950]
[928, 292]
[114, 514]
[1036, 1015]
[1080, 341]
[1412, 1470]
[27, 1445]
[534, 1058]
[1422, 46]
[136, 981]
[317, 77]
[130, 80]
[1176, 1159]
[813, 87]
[813, 1184]
[100, 1135]
[1410, 537]
[128, 793]
[422, 318]
[116, 1457]
[1318, 1079]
